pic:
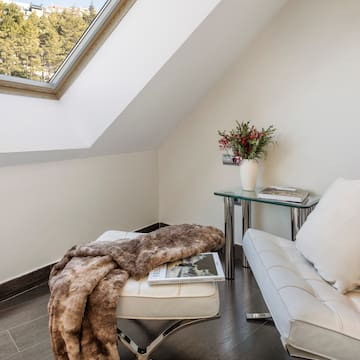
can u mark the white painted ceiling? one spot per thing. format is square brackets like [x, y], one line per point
[184, 52]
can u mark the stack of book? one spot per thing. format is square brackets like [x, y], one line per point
[283, 194]
[205, 267]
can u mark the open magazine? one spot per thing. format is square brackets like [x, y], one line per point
[199, 268]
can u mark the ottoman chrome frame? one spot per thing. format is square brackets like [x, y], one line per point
[144, 353]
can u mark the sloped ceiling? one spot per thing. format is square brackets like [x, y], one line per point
[136, 107]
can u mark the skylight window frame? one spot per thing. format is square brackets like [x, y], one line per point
[105, 21]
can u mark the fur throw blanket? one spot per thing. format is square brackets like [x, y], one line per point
[85, 285]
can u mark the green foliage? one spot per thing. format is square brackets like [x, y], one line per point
[11, 22]
[33, 47]
[50, 47]
[246, 141]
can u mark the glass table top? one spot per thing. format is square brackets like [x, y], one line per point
[240, 194]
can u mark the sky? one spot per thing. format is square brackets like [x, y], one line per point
[70, 3]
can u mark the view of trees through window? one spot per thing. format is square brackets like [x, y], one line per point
[36, 39]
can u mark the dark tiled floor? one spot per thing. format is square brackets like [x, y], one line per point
[23, 326]
[24, 329]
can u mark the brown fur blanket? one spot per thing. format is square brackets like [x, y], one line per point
[85, 285]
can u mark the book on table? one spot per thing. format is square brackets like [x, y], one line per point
[205, 267]
[283, 194]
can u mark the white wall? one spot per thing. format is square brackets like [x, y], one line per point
[47, 208]
[301, 74]
[139, 46]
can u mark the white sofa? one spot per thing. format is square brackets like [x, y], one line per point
[315, 321]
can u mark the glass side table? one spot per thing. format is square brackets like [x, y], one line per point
[237, 196]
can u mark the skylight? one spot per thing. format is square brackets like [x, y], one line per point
[40, 45]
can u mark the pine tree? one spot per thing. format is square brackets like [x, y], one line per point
[34, 47]
[50, 46]
[70, 27]
[11, 22]
[28, 49]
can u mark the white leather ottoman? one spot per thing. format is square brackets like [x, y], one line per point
[187, 303]
[315, 321]
[139, 300]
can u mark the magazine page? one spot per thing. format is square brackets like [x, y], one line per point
[198, 268]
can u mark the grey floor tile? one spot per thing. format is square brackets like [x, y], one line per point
[31, 333]
[41, 351]
[24, 308]
[25, 296]
[7, 346]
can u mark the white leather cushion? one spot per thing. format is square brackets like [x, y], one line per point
[139, 300]
[330, 237]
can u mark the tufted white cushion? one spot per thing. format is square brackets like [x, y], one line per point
[313, 318]
[330, 237]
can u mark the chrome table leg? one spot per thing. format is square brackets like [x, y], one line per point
[246, 223]
[229, 238]
[298, 217]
